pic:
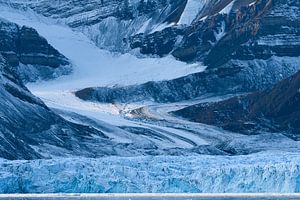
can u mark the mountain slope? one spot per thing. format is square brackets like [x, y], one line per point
[107, 23]
[273, 110]
[229, 30]
[28, 125]
[237, 46]
[26, 50]
[116, 79]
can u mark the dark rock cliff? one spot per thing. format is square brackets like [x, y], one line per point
[24, 46]
[274, 110]
[259, 30]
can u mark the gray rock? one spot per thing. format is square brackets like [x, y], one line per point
[25, 49]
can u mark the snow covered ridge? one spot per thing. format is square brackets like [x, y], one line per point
[280, 172]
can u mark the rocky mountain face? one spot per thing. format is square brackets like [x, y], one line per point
[24, 49]
[245, 27]
[273, 110]
[27, 124]
[238, 77]
[247, 46]
[108, 22]
[244, 30]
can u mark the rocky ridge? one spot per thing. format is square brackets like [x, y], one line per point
[272, 110]
[24, 49]
[236, 46]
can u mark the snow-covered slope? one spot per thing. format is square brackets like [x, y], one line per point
[107, 23]
[124, 128]
[95, 67]
[191, 11]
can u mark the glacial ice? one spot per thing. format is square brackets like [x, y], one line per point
[262, 172]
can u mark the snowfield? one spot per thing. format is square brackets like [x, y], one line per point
[264, 172]
[192, 8]
[93, 66]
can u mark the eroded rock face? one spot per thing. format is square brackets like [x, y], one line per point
[274, 110]
[25, 49]
[251, 30]
[250, 48]
[24, 45]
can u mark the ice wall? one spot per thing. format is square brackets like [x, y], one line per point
[264, 172]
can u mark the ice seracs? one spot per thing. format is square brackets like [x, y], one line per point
[264, 172]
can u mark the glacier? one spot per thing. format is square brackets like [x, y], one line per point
[93, 66]
[96, 67]
[274, 169]
[262, 172]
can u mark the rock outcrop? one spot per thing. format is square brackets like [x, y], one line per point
[109, 23]
[29, 130]
[273, 110]
[257, 30]
[25, 49]
[247, 48]
[235, 77]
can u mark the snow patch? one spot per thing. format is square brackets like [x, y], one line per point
[204, 18]
[279, 40]
[143, 29]
[221, 32]
[251, 4]
[228, 8]
[161, 27]
[191, 11]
